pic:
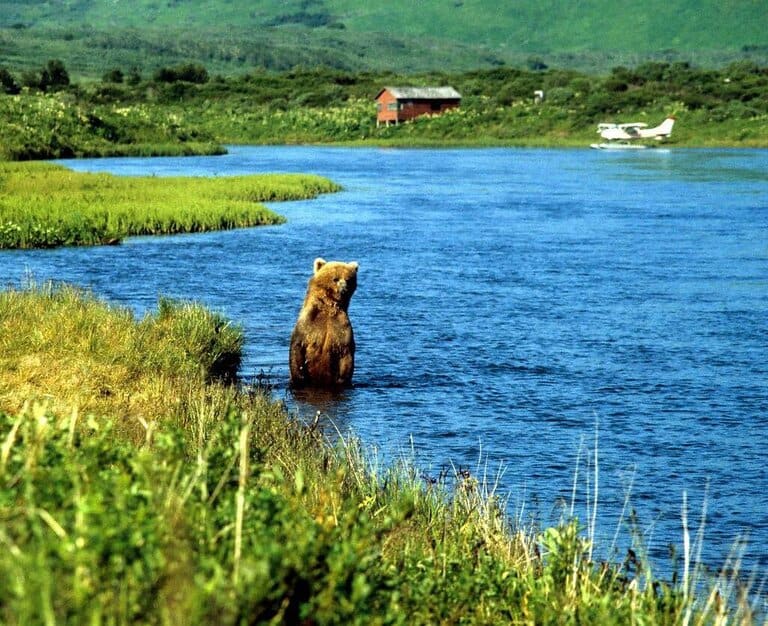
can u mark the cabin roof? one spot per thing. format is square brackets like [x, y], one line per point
[422, 93]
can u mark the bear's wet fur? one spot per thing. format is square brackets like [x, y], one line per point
[322, 353]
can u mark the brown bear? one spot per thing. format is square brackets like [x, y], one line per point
[322, 353]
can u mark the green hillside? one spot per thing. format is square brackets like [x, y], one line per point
[227, 36]
[555, 26]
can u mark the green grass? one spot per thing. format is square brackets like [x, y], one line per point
[543, 27]
[93, 36]
[57, 125]
[477, 123]
[45, 205]
[724, 107]
[65, 345]
[135, 487]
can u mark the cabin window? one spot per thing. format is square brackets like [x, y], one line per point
[392, 106]
[378, 107]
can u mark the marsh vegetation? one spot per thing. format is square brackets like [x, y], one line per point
[44, 205]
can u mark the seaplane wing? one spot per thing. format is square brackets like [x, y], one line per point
[635, 130]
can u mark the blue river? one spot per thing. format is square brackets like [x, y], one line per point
[516, 309]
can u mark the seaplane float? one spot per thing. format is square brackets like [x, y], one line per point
[627, 136]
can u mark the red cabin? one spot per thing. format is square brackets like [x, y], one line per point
[398, 104]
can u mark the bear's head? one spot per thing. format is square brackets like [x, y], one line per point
[334, 281]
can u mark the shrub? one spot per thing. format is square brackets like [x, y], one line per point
[8, 83]
[113, 76]
[190, 72]
[54, 76]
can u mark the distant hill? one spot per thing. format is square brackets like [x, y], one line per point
[229, 36]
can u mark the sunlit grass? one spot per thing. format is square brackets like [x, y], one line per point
[137, 486]
[56, 125]
[66, 347]
[40, 126]
[45, 205]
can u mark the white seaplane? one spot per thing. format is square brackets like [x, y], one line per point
[625, 136]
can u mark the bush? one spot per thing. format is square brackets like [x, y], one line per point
[54, 76]
[113, 76]
[190, 73]
[8, 83]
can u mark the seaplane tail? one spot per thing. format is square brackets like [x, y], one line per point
[661, 131]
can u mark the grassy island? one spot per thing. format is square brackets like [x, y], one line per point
[45, 205]
[138, 485]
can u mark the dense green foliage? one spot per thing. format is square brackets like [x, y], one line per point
[91, 36]
[183, 110]
[135, 488]
[554, 26]
[61, 125]
[44, 205]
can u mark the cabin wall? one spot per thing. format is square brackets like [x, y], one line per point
[390, 110]
[386, 108]
[414, 108]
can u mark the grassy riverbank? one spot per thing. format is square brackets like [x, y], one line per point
[186, 113]
[137, 487]
[45, 205]
[480, 122]
[236, 119]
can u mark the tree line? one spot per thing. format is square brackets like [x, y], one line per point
[741, 88]
[53, 76]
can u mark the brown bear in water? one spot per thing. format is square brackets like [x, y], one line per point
[322, 353]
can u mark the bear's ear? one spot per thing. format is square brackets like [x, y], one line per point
[319, 263]
[354, 265]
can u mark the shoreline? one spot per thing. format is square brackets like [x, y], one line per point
[152, 152]
[135, 483]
